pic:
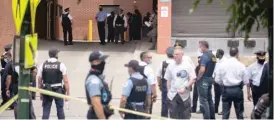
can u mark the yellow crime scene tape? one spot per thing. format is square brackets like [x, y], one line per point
[54, 94]
[7, 104]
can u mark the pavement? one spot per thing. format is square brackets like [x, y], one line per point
[76, 59]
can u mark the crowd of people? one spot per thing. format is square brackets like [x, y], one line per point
[118, 23]
[176, 77]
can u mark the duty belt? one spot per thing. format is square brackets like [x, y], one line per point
[55, 85]
[119, 24]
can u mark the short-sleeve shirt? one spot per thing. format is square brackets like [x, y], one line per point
[129, 85]
[148, 71]
[159, 72]
[63, 68]
[94, 85]
[178, 82]
[207, 60]
[101, 16]
[254, 72]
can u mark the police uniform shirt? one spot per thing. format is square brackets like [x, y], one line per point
[159, 72]
[63, 68]
[129, 85]
[254, 72]
[101, 16]
[125, 20]
[205, 60]
[148, 71]
[94, 86]
[176, 82]
[69, 16]
[231, 72]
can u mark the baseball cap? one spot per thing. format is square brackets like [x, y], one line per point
[170, 50]
[53, 52]
[97, 55]
[134, 64]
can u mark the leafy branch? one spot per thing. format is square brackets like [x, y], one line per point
[244, 14]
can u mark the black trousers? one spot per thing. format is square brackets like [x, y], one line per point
[255, 94]
[101, 31]
[179, 109]
[110, 33]
[119, 32]
[67, 31]
[235, 95]
[131, 33]
[218, 92]
[195, 98]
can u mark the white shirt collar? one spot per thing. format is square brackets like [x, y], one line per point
[52, 60]
[142, 63]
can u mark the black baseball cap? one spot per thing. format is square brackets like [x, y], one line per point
[97, 55]
[134, 64]
[260, 53]
[53, 52]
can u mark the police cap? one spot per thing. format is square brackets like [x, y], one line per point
[134, 64]
[260, 53]
[67, 9]
[53, 52]
[169, 51]
[97, 55]
[8, 47]
[178, 45]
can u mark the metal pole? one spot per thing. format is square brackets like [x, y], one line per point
[24, 74]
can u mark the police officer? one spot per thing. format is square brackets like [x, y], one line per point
[255, 71]
[217, 87]
[101, 19]
[205, 81]
[120, 24]
[12, 88]
[67, 26]
[97, 92]
[147, 72]
[232, 76]
[3, 60]
[161, 80]
[7, 57]
[52, 76]
[195, 91]
[136, 93]
[110, 27]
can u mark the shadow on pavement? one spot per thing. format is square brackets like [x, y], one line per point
[130, 47]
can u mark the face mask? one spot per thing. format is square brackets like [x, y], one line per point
[261, 61]
[98, 69]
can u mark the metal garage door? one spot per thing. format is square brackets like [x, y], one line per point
[207, 21]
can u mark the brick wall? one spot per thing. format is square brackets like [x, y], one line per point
[87, 10]
[7, 28]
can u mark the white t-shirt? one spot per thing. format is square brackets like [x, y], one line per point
[178, 82]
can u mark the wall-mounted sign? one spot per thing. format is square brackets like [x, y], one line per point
[164, 11]
[164, 0]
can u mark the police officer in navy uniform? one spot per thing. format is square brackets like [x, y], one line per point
[162, 81]
[97, 91]
[5, 58]
[120, 25]
[136, 92]
[52, 76]
[67, 26]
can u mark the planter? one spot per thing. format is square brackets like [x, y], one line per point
[182, 43]
[250, 43]
[233, 43]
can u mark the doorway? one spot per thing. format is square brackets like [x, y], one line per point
[109, 9]
[45, 20]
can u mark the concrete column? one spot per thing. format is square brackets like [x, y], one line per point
[164, 26]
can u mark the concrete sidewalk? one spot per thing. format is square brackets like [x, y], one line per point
[76, 59]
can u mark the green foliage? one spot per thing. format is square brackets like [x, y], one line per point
[244, 14]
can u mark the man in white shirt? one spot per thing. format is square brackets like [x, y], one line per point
[52, 76]
[148, 73]
[231, 75]
[120, 25]
[180, 76]
[161, 80]
[218, 88]
[254, 72]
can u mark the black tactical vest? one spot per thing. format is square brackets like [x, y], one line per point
[120, 20]
[105, 93]
[51, 73]
[139, 90]
[164, 67]
[65, 20]
[142, 71]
